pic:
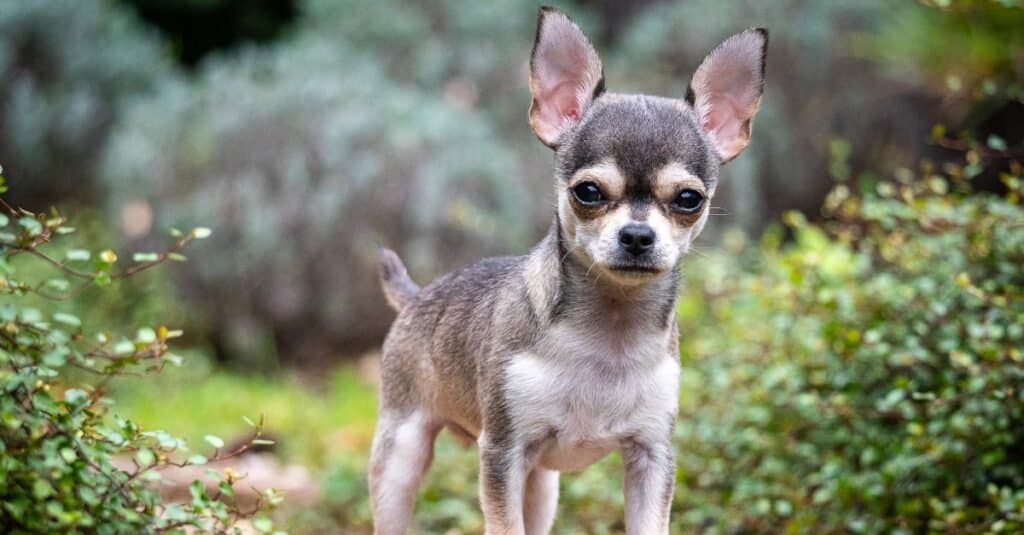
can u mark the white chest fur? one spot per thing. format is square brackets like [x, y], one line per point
[583, 391]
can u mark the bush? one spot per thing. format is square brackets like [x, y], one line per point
[305, 159]
[66, 463]
[866, 379]
[66, 68]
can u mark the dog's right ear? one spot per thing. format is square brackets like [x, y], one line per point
[565, 76]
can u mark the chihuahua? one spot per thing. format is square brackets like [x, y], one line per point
[551, 360]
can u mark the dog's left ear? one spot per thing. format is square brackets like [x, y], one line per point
[565, 76]
[726, 90]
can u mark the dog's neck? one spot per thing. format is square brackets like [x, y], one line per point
[562, 287]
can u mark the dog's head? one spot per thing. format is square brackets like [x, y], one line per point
[635, 173]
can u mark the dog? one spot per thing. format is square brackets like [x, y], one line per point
[551, 360]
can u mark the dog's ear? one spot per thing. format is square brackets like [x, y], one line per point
[565, 76]
[726, 90]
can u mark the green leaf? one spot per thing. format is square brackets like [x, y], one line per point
[88, 495]
[4, 220]
[78, 255]
[248, 421]
[145, 335]
[31, 315]
[67, 319]
[174, 512]
[200, 233]
[198, 492]
[61, 285]
[177, 257]
[124, 347]
[75, 396]
[56, 358]
[263, 442]
[41, 488]
[197, 459]
[102, 279]
[145, 257]
[262, 524]
[214, 441]
[145, 457]
[33, 227]
[68, 455]
[996, 143]
[973, 170]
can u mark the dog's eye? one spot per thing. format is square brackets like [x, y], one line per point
[587, 193]
[688, 201]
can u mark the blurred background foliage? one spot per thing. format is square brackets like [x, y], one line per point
[308, 132]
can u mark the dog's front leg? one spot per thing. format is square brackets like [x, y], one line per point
[503, 471]
[650, 481]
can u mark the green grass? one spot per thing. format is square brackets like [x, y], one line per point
[314, 424]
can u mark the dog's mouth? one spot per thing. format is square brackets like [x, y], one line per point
[635, 270]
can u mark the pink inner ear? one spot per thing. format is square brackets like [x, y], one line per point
[727, 110]
[559, 108]
[564, 71]
[727, 88]
[717, 113]
[726, 124]
[724, 115]
[566, 101]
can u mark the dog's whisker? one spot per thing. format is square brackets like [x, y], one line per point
[567, 253]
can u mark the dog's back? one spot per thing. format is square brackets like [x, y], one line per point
[432, 354]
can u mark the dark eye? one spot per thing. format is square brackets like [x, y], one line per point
[587, 193]
[688, 201]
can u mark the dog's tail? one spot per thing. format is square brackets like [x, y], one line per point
[399, 289]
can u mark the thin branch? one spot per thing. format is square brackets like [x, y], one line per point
[984, 152]
[161, 258]
[60, 265]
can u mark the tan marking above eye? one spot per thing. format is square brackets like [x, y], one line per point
[606, 175]
[673, 178]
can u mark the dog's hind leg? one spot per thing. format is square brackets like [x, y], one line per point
[541, 501]
[403, 448]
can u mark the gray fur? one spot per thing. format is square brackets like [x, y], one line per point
[550, 359]
[399, 289]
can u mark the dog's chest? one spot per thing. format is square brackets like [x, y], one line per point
[583, 392]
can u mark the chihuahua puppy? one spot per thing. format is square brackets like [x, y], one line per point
[551, 360]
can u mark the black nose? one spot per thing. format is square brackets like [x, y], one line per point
[636, 238]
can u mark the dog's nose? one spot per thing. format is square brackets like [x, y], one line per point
[636, 238]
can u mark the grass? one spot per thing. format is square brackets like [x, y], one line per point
[313, 424]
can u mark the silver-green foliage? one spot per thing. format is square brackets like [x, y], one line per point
[64, 68]
[305, 158]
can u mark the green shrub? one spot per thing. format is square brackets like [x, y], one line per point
[866, 379]
[67, 463]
